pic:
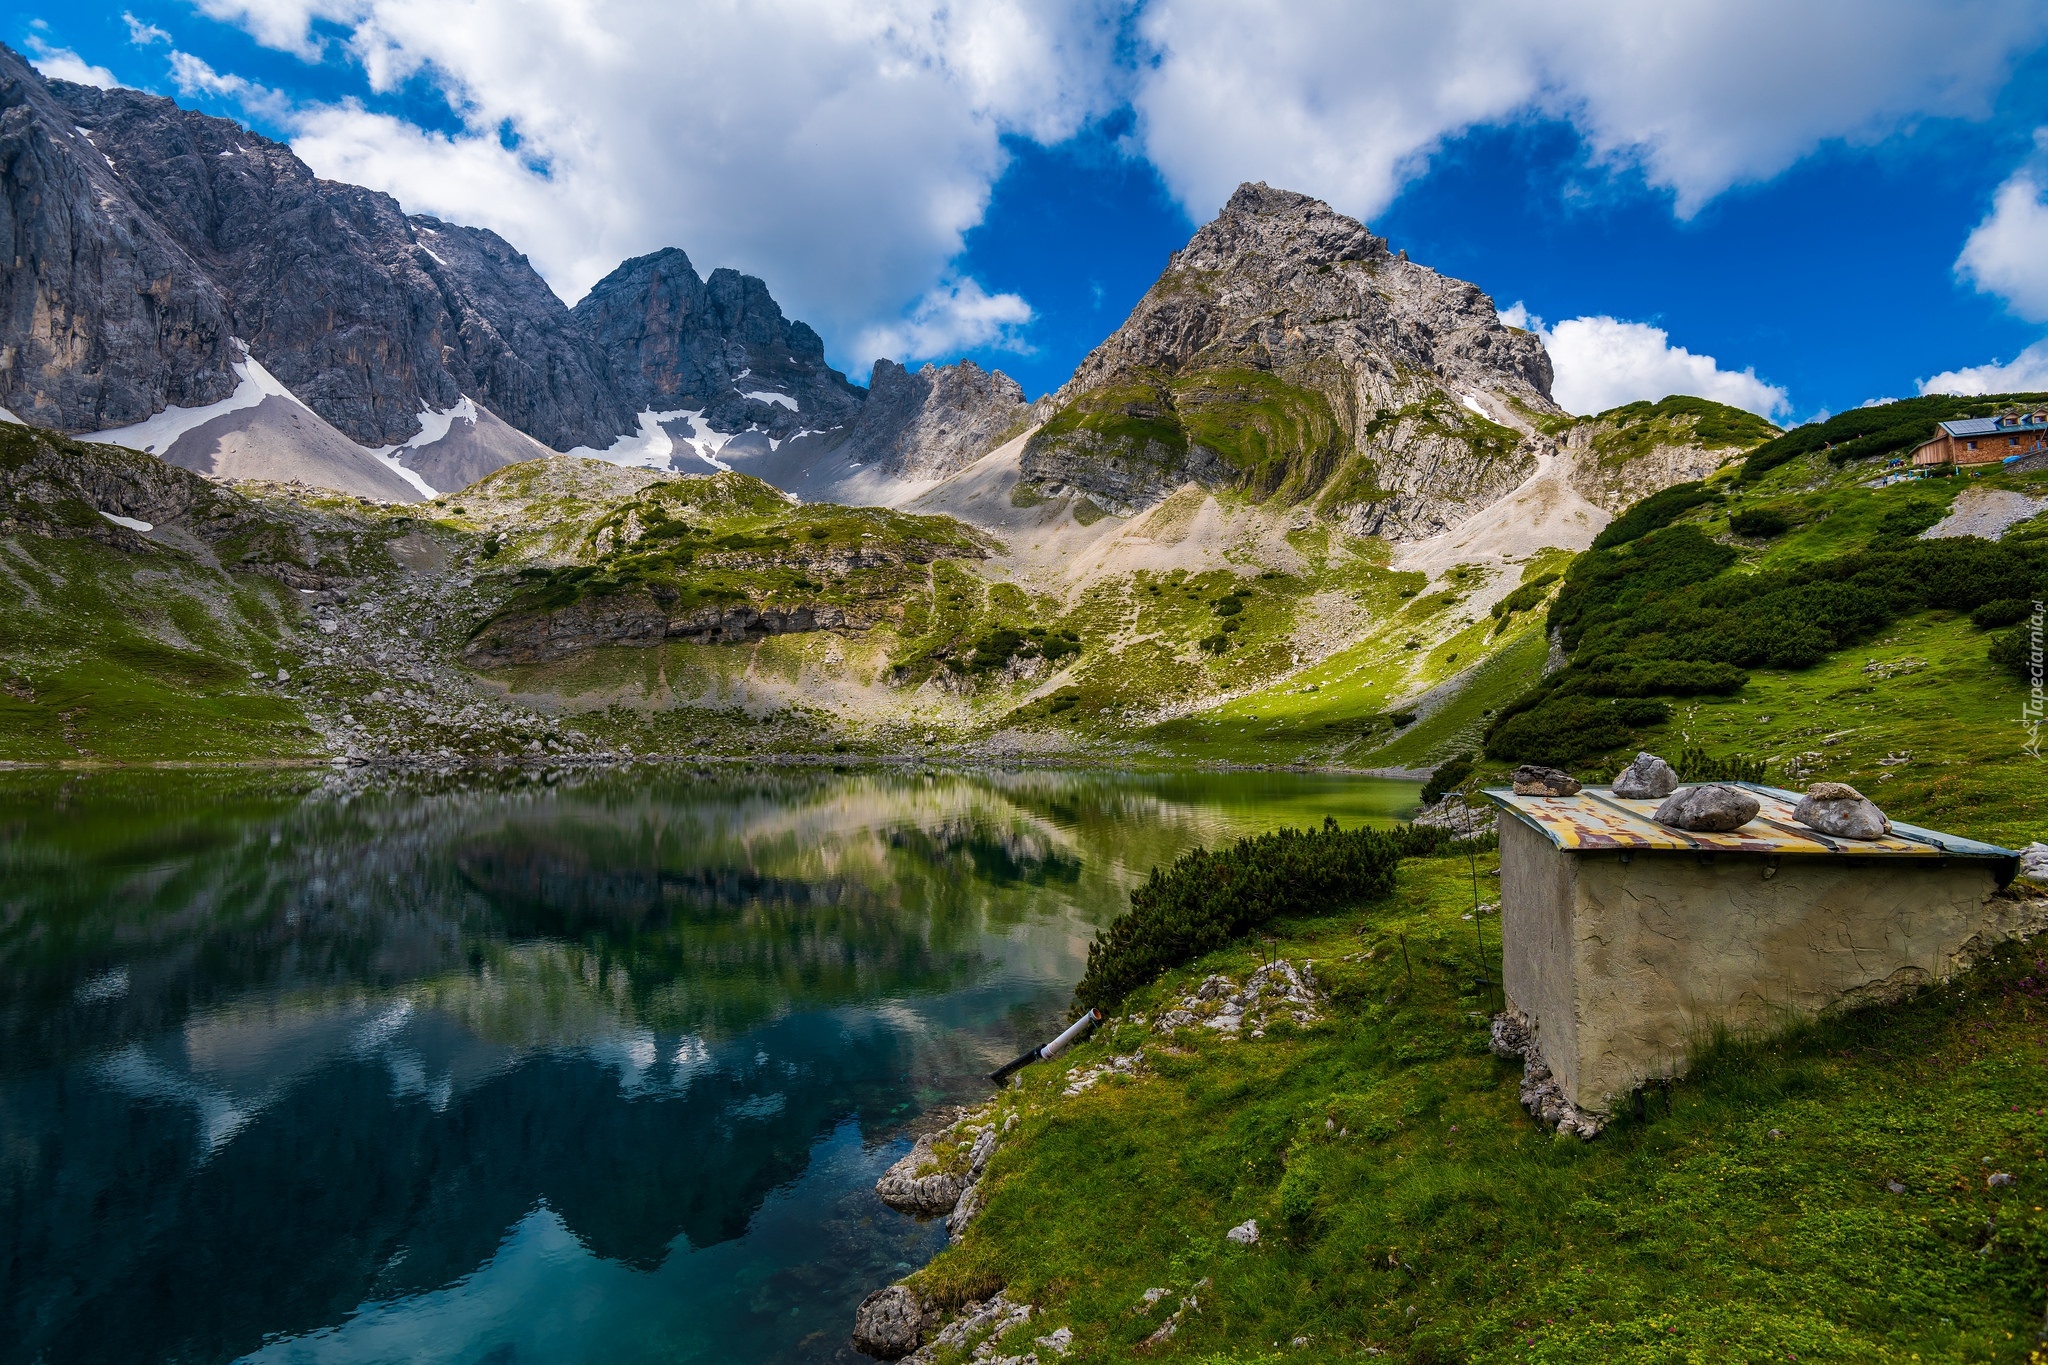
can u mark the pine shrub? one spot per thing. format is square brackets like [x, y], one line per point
[1207, 899]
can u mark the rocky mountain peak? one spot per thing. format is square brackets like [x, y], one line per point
[368, 315]
[675, 340]
[931, 422]
[1285, 352]
[1265, 229]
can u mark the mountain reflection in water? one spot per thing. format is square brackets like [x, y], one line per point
[522, 1069]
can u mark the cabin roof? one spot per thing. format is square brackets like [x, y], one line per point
[1596, 819]
[1991, 426]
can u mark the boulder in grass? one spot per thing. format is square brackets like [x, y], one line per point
[1838, 809]
[1534, 780]
[1649, 778]
[1708, 809]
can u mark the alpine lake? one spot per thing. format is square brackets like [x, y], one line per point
[574, 1066]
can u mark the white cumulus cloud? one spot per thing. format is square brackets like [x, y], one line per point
[957, 315]
[2007, 254]
[62, 64]
[839, 150]
[1602, 362]
[2026, 372]
[1348, 100]
[194, 76]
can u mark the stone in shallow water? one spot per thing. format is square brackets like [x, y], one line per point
[1649, 778]
[889, 1323]
[1708, 809]
[1839, 809]
[1532, 779]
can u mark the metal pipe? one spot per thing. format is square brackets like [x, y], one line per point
[1052, 1049]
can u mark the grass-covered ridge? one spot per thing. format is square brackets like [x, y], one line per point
[1890, 429]
[1407, 1206]
[727, 538]
[1694, 588]
[1634, 429]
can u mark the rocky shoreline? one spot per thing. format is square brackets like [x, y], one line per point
[946, 1169]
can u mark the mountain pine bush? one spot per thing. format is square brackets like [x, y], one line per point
[1659, 617]
[1207, 899]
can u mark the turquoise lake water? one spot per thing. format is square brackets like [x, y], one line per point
[596, 1068]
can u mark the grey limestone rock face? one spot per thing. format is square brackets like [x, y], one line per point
[1711, 808]
[890, 1323]
[1281, 302]
[928, 423]
[103, 317]
[1837, 809]
[1533, 779]
[1648, 778]
[364, 312]
[675, 340]
[925, 1195]
[2034, 863]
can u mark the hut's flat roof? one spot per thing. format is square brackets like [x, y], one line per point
[1597, 819]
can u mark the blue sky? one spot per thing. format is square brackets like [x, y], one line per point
[1003, 183]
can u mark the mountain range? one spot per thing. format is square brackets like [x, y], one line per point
[160, 252]
[1303, 466]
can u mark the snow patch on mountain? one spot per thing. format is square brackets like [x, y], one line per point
[412, 477]
[770, 396]
[156, 435]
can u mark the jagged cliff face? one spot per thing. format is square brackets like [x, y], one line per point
[368, 315]
[719, 346]
[146, 237]
[1287, 353]
[928, 423]
[102, 320]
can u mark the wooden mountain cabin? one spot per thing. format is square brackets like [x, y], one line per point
[1984, 440]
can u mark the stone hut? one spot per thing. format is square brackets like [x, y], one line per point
[1627, 942]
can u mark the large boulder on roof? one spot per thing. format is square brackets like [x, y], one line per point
[1649, 778]
[1533, 779]
[1709, 809]
[1838, 809]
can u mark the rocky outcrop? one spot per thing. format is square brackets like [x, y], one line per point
[720, 346]
[1288, 353]
[927, 1183]
[367, 314]
[103, 317]
[928, 423]
[1513, 1036]
[919, 1185]
[890, 1323]
[1620, 456]
[639, 619]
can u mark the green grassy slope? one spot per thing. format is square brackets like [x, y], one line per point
[1932, 718]
[1408, 1207]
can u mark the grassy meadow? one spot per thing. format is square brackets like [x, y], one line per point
[1408, 1208]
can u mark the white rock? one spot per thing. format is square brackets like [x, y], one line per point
[1245, 1234]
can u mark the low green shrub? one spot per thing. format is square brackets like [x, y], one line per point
[1659, 509]
[1694, 766]
[2006, 611]
[1761, 522]
[1665, 615]
[2015, 652]
[1445, 778]
[1207, 899]
[1524, 597]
